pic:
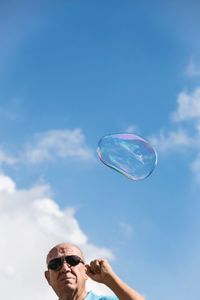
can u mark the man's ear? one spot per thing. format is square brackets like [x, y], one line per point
[86, 275]
[47, 276]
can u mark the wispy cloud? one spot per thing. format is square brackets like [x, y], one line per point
[193, 69]
[132, 128]
[31, 222]
[178, 140]
[12, 109]
[58, 144]
[8, 114]
[7, 159]
[125, 228]
[50, 146]
[185, 134]
[195, 167]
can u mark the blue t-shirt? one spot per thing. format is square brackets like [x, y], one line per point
[92, 296]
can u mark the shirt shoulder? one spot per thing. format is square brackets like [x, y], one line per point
[92, 296]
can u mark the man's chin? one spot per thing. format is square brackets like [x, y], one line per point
[68, 285]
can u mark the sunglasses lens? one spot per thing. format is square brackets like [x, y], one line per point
[55, 264]
[73, 260]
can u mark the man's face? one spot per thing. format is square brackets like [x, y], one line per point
[69, 279]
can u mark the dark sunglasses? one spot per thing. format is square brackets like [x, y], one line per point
[56, 263]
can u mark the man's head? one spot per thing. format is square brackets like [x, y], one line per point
[66, 272]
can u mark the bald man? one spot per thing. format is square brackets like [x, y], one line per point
[67, 274]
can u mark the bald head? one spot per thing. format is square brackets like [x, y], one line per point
[64, 249]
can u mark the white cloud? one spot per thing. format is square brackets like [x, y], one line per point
[49, 146]
[58, 143]
[186, 133]
[6, 184]
[188, 106]
[173, 141]
[30, 224]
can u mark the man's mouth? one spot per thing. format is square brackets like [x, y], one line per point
[67, 279]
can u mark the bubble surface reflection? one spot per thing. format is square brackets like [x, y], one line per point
[129, 154]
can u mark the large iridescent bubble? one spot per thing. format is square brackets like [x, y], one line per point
[128, 154]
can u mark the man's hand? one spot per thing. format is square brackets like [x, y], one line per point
[99, 270]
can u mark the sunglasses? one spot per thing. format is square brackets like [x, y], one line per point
[56, 263]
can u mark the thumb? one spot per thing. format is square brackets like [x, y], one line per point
[89, 271]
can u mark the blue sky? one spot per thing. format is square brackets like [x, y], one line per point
[71, 72]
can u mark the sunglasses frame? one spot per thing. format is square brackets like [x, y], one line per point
[60, 260]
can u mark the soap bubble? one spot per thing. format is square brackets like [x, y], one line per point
[128, 154]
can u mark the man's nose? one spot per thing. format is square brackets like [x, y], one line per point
[65, 266]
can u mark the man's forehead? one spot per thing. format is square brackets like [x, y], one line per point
[63, 249]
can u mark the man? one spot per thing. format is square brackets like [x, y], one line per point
[67, 274]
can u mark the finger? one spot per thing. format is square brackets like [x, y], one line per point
[95, 266]
[88, 270]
